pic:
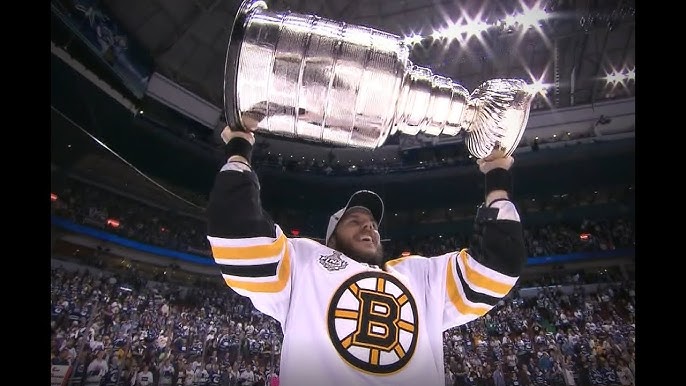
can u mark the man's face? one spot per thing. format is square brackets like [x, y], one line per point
[357, 236]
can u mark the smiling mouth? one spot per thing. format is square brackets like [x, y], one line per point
[366, 238]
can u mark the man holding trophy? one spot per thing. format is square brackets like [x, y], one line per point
[349, 315]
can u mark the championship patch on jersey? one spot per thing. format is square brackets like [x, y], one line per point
[373, 322]
[333, 262]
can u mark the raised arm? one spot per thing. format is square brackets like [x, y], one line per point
[478, 277]
[235, 209]
[252, 252]
[469, 283]
[499, 238]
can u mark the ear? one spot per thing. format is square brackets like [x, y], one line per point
[332, 242]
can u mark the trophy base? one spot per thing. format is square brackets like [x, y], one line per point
[500, 113]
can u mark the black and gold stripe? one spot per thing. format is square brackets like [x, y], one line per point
[272, 263]
[466, 299]
[277, 284]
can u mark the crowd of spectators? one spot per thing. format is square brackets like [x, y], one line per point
[551, 239]
[96, 207]
[114, 333]
[99, 208]
[556, 338]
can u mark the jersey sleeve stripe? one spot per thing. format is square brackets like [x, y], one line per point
[249, 252]
[462, 268]
[255, 261]
[470, 294]
[457, 298]
[246, 279]
[481, 276]
[282, 278]
[260, 270]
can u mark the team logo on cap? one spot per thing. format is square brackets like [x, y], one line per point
[333, 262]
[373, 322]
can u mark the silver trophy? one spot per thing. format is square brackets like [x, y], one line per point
[306, 77]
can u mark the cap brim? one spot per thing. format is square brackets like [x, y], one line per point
[370, 200]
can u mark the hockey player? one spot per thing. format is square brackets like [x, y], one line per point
[350, 317]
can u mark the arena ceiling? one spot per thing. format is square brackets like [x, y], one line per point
[187, 41]
[580, 41]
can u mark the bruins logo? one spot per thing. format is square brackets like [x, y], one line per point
[373, 322]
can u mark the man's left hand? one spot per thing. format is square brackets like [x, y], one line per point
[495, 160]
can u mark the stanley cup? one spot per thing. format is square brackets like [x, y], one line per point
[306, 77]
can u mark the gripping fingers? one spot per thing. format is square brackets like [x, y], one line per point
[486, 166]
[227, 134]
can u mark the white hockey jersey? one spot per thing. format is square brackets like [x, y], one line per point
[347, 323]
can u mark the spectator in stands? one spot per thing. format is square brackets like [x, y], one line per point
[624, 374]
[498, 377]
[449, 378]
[62, 359]
[111, 378]
[524, 375]
[145, 376]
[96, 369]
[460, 375]
[166, 372]
[247, 376]
[512, 380]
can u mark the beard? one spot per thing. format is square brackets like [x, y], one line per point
[376, 257]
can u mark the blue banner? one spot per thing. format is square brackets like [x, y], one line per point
[89, 21]
[582, 256]
[124, 242]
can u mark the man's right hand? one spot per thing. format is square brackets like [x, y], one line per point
[227, 135]
[486, 164]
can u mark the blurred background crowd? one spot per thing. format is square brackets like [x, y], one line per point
[115, 328]
[89, 205]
